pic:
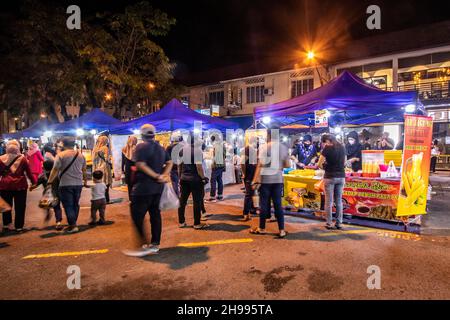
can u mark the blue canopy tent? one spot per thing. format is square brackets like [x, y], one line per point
[173, 116]
[92, 120]
[349, 100]
[36, 130]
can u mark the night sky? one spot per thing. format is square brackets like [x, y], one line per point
[216, 33]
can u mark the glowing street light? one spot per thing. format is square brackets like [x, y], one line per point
[151, 86]
[93, 132]
[310, 55]
[108, 96]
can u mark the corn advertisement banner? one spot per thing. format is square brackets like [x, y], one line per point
[415, 165]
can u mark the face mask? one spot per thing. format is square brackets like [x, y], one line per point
[306, 145]
[351, 141]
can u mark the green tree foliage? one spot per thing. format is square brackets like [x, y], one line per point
[116, 54]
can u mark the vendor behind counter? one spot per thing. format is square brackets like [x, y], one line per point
[354, 151]
[305, 152]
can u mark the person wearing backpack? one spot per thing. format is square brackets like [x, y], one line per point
[14, 170]
[70, 170]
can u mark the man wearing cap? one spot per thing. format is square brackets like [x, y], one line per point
[153, 166]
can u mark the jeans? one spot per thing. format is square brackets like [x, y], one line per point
[100, 206]
[188, 187]
[334, 188]
[433, 164]
[19, 198]
[140, 205]
[268, 192]
[70, 199]
[249, 207]
[216, 176]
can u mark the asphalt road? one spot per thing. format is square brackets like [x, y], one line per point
[222, 262]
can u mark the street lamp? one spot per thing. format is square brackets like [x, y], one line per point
[151, 86]
[310, 55]
[108, 96]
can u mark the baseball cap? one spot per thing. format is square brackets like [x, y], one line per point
[148, 130]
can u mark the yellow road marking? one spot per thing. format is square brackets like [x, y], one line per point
[210, 243]
[64, 254]
[326, 234]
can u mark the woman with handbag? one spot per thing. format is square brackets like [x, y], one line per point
[14, 170]
[101, 161]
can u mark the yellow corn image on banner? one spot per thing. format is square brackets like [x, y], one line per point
[415, 165]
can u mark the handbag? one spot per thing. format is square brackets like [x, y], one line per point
[48, 199]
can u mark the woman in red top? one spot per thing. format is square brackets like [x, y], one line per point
[35, 160]
[14, 169]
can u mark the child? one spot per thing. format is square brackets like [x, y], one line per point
[98, 201]
[42, 179]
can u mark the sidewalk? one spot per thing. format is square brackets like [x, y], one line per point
[437, 221]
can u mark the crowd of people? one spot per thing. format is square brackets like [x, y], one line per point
[149, 168]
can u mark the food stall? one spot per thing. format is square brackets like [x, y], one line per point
[173, 117]
[393, 184]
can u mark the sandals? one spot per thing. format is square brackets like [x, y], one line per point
[282, 235]
[201, 226]
[257, 231]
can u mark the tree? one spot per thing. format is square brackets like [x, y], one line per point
[47, 65]
[132, 65]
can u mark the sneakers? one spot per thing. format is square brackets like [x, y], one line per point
[145, 250]
[71, 230]
[211, 199]
[59, 226]
[201, 226]
[8, 227]
[220, 198]
[182, 225]
[204, 217]
[151, 248]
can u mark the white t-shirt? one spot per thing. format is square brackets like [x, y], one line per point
[273, 163]
[98, 191]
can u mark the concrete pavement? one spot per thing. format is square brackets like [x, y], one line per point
[222, 262]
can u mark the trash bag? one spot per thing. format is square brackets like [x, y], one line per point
[4, 206]
[48, 199]
[169, 199]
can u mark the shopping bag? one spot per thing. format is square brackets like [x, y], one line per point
[320, 185]
[169, 199]
[4, 206]
[392, 171]
[48, 199]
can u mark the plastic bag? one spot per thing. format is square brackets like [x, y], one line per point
[48, 199]
[4, 206]
[169, 199]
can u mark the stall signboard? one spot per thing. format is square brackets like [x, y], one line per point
[415, 165]
[215, 110]
[321, 118]
[373, 198]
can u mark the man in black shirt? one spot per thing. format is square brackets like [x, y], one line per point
[153, 166]
[248, 170]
